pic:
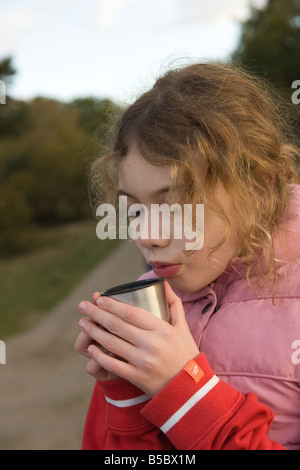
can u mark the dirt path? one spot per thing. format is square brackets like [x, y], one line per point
[44, 388]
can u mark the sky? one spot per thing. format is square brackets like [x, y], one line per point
[66, 49]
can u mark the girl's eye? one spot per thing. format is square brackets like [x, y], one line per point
[132, 215]
[135, 211]
[175, 210]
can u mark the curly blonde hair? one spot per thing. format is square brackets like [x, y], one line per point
[212, 123]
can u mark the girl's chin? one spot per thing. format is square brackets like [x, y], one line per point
[186, 284]
[182, 285]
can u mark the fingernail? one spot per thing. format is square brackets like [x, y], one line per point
[82, 306]
[82, 323]
[100, 301]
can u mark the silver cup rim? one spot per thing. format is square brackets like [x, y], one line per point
[132, 286]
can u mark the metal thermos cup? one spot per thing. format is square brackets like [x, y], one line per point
[148, 294]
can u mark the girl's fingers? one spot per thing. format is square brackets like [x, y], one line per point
[93, 368]
[129, 314]
[110, 342]
[113, 365]
[175, 305]
[96, 296]
[121, 319]
[82, 343]
[97, 371]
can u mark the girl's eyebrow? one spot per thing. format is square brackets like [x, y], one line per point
[153, 194]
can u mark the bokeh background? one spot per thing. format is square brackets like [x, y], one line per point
[68, 67]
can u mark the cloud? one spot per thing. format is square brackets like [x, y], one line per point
[169, 13]
[14, 24]
[215, 12]
[108, 10]
[19, 21]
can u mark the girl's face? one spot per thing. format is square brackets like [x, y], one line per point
[147, 184]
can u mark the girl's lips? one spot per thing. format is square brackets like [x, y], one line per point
[165, 270]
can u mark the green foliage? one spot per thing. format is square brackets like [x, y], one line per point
[45, 150]
[270, 42]
[14, 119]
[95, 114]
[6, 68]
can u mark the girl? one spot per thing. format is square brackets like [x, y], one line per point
[227, 367]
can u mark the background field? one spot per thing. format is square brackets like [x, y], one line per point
[32, 283]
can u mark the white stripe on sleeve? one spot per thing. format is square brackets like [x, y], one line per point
[189, 404]
[129, 402]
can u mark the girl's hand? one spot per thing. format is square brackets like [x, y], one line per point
[82, 344]
[153, 350]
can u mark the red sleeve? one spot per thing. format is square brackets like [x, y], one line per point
[114, 420]
[217, 416]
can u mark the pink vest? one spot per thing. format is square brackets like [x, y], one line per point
[253, 341]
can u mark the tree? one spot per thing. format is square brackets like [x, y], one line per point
[45, 150]
[13, 115]
[270, 42]
[95, 114]
[6, 68]
[47, 163]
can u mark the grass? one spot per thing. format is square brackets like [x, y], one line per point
[32, 283]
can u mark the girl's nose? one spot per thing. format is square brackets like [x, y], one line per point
[151, 232]
[154, 242]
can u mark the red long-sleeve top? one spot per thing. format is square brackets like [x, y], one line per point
[195, 410]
